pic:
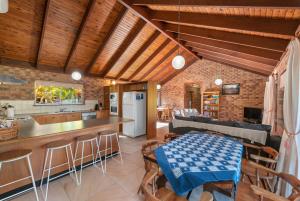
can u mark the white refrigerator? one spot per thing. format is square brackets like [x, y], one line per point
[134, 107]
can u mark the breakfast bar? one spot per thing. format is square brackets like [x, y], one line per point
[34, 136]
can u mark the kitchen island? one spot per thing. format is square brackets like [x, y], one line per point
[35, 136]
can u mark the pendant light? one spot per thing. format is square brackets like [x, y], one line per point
[178, 61]
[76, 75]
[3, 6]
[218, 80]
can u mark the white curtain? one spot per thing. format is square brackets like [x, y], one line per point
[290, 143]
[269, 102]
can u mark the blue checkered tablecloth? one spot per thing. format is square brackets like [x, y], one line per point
[195, 159]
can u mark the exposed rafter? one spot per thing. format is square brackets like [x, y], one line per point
[138, 53]
[274, 55]
[231, 37]
[166, 56]
[147, 61]
[82, 26]
[250, 57]
[106, 39]
[123, 47]
[43, 29]
[145, 14]
[223, 3]
[188, 64]
[251, 25]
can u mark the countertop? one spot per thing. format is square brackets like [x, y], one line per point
[31, 129]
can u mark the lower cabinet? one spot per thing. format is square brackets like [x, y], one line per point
[57, 118]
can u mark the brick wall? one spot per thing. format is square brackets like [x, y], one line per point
[203, 72]
[93, 87]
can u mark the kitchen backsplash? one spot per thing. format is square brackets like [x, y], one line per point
[27, 107]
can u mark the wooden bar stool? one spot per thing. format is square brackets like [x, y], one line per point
[15, 155]
[50, 148]
[109, 135]
[90, 139]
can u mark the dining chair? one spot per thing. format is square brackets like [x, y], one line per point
[170, 136]
[271, 193]
[164, 194]
[148, 155]
[266, 156]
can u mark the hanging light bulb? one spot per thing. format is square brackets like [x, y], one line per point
[218, 81]
[76, 75]
[3, 6]
[178, 61]
[158, 87]
[113, 82]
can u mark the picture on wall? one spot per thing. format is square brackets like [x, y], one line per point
[231, 89]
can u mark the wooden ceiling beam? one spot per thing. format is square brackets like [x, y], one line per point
[250, 57]
[253, 64]
[106, 39]
[138, 53]
[258, 25]
[274, 44]
[238, 62]
[223, 3]
[188, 64]
[274, 55]
[159, 62]
[88, 11]
[161, 70]
[147, 61]
[43, 30]
[145, 13]
[136, 29]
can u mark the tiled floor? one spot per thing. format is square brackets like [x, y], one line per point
[121, 181]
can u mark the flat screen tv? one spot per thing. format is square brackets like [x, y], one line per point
[251, 113]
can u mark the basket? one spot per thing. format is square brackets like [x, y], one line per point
[8, 133]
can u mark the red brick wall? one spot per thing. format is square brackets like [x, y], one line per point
[93, 87]
[204, 72]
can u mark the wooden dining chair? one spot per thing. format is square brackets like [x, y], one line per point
[265, 156]
[148, 155]
[170, 136]
[164, 194]
[271, 192]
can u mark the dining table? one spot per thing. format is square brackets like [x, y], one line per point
[199, 158]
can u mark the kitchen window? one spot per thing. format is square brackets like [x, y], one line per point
[58, 93]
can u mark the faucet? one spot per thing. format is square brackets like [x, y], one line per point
[62, 109]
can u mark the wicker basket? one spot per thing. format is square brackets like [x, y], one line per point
[8, 133]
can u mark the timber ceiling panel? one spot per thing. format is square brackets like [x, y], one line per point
[127, 23]
[141, 38]
[135, 40]
[20, 30]
[97, 26]
[63, 20]
[150, 50]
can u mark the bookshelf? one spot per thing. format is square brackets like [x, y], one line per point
[211, 103]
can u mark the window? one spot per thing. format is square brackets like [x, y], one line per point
[58, 93]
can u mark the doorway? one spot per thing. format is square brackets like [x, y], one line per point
[192, 96]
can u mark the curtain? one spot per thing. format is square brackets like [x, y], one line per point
[290, 143]
[269, 102]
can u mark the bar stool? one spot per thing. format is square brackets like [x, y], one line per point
[109, 134]
[15, 155]
[50, 148]
[90, 139]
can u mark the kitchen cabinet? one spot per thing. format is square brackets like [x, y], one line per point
[57, 118]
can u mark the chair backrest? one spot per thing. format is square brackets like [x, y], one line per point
[147, 150]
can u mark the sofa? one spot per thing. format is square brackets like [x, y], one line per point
[251, 133]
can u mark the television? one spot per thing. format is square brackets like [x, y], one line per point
[253, 115]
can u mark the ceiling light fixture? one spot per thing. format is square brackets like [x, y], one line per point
[3, 6]
[76, 75]
[113, 82]
[158, 86]
[218, 80]
[178, 61]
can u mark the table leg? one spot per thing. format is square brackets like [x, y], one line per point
[189, 194]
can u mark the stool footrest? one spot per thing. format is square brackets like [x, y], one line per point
[29, 177]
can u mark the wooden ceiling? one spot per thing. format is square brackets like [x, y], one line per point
[135, 40]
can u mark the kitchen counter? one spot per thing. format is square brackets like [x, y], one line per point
[34, 136]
